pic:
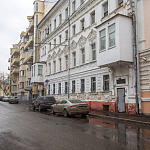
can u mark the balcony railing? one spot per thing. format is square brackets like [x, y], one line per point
[28, 59]
[15, 61]
[29, 43]
[8, 59]
[30, 28]
[15, 51]
[16, 70]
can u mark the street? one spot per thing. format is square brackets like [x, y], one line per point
[24, 129]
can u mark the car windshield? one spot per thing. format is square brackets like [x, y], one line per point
[76, 101]
[49, 99]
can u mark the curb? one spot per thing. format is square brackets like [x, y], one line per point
[122, 119]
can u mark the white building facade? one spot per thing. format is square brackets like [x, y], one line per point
[101, 53]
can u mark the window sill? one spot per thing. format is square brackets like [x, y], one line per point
[102, 51]
[93, 93]
[112, 47]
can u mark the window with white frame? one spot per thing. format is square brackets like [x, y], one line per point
[36, 9]
[83, 55]
[49, 69]
[22, 50]
[54, 62]
[93, 52]
[120, 3]
[59, 88]
[34, 70]
[50, 46]
[103, 40]
[66, 13]
[21, 61]
[14, 87]
[50, 28]
[60, 39]
[82, 85]
[73, 30]
[66, 34]
[73, 86]
[73, 6]
[22, 73]
[66, 57]
[29, 81]
[49, 88]
[53, 88]
[60, 65]
[93, 17]
[82, 24]
[106, 82]
[54, 42]
[40, 69]
[66, 87]
[74, 58]
[93, 84]
[54, 23]
[105, 7]
[60, 19]
[21, 85]
[111, 32]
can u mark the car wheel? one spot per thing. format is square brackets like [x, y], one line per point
[40, 108]
[65, 112]
[53, 111]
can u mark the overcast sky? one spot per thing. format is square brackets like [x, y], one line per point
[13, 20]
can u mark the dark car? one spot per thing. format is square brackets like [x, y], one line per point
[43, 102]
[1, 98]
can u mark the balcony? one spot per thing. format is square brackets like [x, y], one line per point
[15, 62]
[15, 71]
[28, 59]
[15, 52]
[30, 29]
[29, 43]
[8, 59]
[121, 51]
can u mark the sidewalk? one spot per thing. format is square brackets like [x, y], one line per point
[142, 119]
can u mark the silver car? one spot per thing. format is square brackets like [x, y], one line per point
[70, 107]
[6, 99]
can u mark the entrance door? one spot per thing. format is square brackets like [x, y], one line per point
[121, 99]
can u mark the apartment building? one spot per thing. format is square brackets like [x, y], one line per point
[14, 69]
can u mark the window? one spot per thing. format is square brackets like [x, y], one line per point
[50, 28]
[22, 73]
[22, 50]
[93, 84]
[66, 13]
[34, 70]
[120, 3]
[53, 88]
[29, 81]
[73, 30]
[73, 6]
[40, 69]
[36, 9]
[60, 19]
[93, 52]
[14, 87]
[21, 85]
[82, 24]
[66, 34]
[121, 81]
[105, 6]
[82, 85]
[60, 39]
[54, 66]
[83, 55]
[93, 17]
[73, 86]
[111, 31]
[60, 64]
[54, 42]
[21, 61]
[106, 82]
[66, 87]
[81, 2]
[49, 88]
[74, 58]
[102, 40]
[50, 46]
[49, 68]
[59, 88]
[66, 57]
[54, 23]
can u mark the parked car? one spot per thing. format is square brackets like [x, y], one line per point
[70, 107]
[13, 99]
[43, 102]
[1, 98]
[6, 99]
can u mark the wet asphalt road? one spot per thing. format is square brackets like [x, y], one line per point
[24, 129]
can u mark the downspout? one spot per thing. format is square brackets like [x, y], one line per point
[136, 58]
[135, 54]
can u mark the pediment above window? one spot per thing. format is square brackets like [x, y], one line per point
[59, 53]
[92, 36]
[73, 45]
[49, 58]
[66, 50]
[54, 55]
[82, 40]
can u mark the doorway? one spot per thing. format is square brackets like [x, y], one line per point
[121, 99]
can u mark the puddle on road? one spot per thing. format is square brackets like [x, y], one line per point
[133, 136]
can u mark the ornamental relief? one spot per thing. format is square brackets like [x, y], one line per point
[73, 45]
[59, 53]
[92, 36]
[49, 58]
[54, 55]
[65, 50]
[82, 40]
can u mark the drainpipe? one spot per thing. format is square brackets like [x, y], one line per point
[136, 58]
